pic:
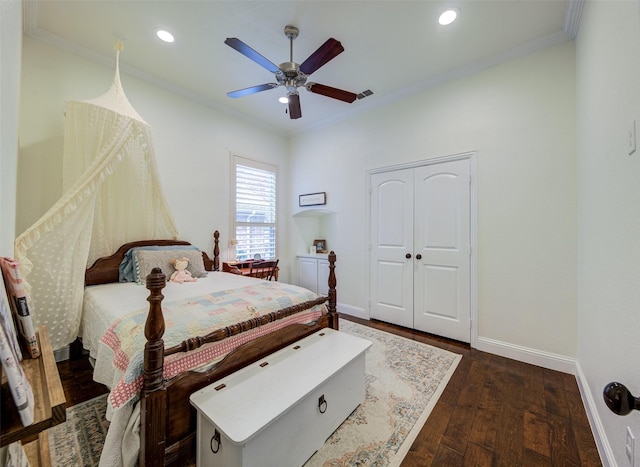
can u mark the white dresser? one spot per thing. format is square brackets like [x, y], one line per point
[280, 410]
[313, 273]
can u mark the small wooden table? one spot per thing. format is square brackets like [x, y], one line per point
[242, 267]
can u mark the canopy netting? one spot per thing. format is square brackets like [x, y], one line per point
[111, 195]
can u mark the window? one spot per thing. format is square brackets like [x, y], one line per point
[255, 190]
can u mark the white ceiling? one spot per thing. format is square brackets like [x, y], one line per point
[393, 48]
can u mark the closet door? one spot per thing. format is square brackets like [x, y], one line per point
[391, 273]
[442, 241]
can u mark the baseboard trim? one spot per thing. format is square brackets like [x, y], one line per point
[62, 354]
[599, 434]
[528, 355]
[352, 311]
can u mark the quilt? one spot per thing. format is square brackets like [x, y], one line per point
[198, 316]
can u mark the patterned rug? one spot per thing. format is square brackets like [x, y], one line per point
[79, 441]
[404, 380]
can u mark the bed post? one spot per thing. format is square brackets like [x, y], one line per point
[333, 301]
[216, 251]
[153, 399]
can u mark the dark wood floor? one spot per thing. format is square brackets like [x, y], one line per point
[494, 411]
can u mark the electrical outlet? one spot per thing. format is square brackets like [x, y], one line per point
[631, 145]
[631, 447]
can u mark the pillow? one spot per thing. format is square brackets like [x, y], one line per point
[146, 260]
[127, 269]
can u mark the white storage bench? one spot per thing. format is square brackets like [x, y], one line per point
[280, 410]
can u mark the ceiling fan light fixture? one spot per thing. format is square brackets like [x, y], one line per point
[283, 100]
[290, 74]
[448, 16]
[165, 36]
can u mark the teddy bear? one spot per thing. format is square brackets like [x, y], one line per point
[181, 274]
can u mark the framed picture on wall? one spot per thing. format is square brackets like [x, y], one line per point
[312, 199]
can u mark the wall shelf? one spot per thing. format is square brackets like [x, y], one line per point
[314, 212]
[50, 404]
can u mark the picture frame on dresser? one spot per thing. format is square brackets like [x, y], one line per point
[321, 245]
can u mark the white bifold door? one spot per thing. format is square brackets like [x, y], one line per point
[420, 248]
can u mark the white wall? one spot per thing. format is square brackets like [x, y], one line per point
[192, 143]
[520, 117]
[10, 49]
[608, 99]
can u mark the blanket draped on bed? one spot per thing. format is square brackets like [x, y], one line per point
[124, 342]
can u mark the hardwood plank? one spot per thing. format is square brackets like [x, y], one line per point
[534, 459]
[424, 448]
[582, 433]
[537, 434]
[484, 429]
[510, 439]
[555, 397]
[564, 450]
[477, 456]
[457, 434]
[447, 456]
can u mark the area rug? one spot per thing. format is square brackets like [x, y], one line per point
[404, 380]
[79, 441]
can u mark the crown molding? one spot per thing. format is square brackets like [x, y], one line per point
[572, 17]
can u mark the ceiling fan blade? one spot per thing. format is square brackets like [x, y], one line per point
[327, 51]
[252, 90]
[334, 93]
[294, 106]
[248, 52]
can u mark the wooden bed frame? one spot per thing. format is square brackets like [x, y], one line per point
[168, 421]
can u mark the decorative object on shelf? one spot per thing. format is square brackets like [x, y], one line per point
[7, 323]
[19, 386]
[312, 199]
[18, 300]
[321, 246]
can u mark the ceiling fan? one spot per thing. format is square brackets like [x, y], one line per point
[292, 75]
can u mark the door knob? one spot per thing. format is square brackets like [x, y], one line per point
[408, 256]
[619, 399]
[418, 256]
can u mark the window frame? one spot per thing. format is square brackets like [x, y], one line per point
[251, 163]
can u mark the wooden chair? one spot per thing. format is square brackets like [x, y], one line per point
[264, 269]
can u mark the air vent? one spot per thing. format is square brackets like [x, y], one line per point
[364, 94]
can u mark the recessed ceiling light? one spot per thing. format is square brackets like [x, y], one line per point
[448, 16]
[165, 36]
[284, 100]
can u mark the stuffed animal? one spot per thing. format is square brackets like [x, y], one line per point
[181, 274]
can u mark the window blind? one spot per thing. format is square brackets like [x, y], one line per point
[255, 212]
